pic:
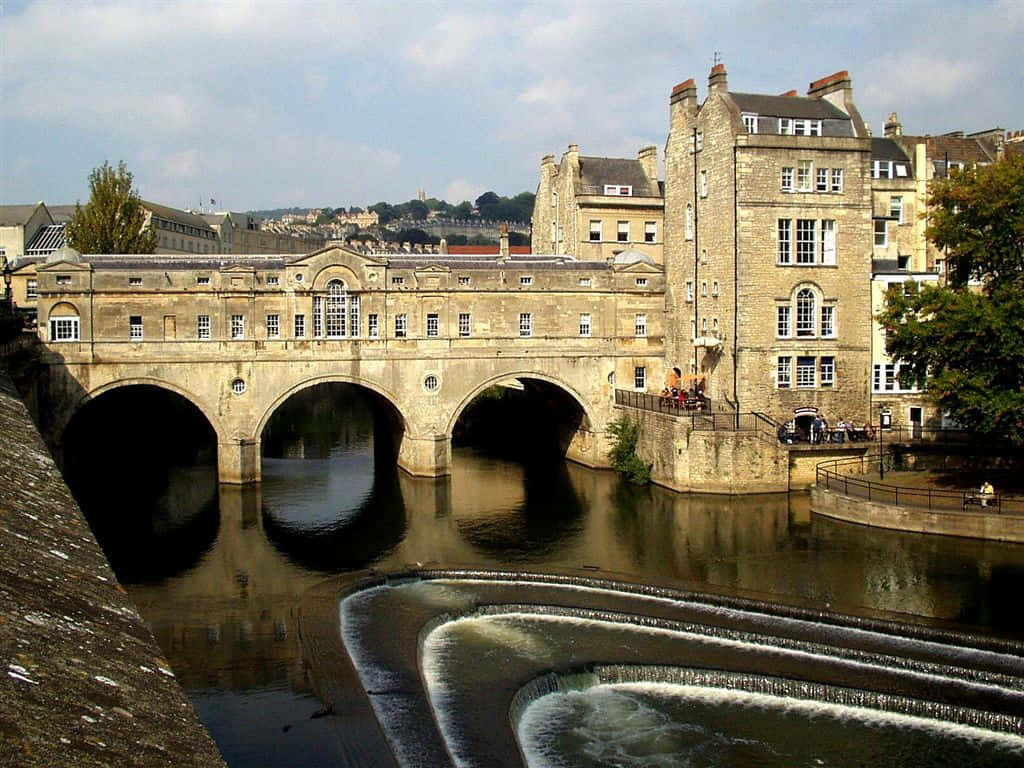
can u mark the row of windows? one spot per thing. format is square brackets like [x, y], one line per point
[185, 228]
[815, 241]
[788, 126]
[805, 177]
[811, 372]
[703, 289]
[67, 328]
[622, 233]
[886, 377]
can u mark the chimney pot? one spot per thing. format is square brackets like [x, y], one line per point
[717, 80]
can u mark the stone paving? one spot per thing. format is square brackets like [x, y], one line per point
[84, 682]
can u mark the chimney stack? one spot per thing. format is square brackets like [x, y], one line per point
[682, 105]
[503, 242]
[648, 157]
[893, 126]
[717, 80]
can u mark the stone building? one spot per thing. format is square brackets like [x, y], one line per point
[768, 250]
[592, 208]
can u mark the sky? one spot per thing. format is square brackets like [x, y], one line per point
[276, 103]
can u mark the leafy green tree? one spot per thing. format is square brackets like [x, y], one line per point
[625, 434]
[463, 210]
[967, 341]
[113, 221]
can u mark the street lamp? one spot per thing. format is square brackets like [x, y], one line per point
[884, 421]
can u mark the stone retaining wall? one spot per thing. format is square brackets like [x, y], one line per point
[975, 525]
[84, 681]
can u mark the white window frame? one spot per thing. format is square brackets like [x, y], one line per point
[806, 241]
[273, 326]
[640, 326]
[785, 241]
[787, 183]
[595, 230]
[837, 180]
[640, 378]
[827, 236]
[827, 371]
[650, 231]
[828, 321]
[618, 190]
[714, 289]
[65, 328]
[464, 280]
[401, 325]
[804, 175]
[238, 326]
[688, 224]
[883, 231]
[202, 280]
[525, 324]
[622, 231]
[433, 325]
[806, 371]
[703, 183]
[465, 324]
[896, 208]
[703, 288]
[750, 122]
[585, 324]
[299, 325]
[31, 289]
[806, 314]
[821, 179]
[689, 291]
[273, 280]
[135, 327]
[783, 321]
[397, 280]
[526, 280]
[640, 282]
[204, 330]
[586, 282]
[784, 372]
[373, 325]
[881, 169]
[786, 126]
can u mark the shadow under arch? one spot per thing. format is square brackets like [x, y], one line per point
[140, 460]
[398, 419]
[60, 425]
[586, 420]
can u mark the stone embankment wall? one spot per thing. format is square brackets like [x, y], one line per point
[84, 682]
[975, 525]
[700, 461]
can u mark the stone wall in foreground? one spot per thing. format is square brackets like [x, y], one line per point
[84, 681]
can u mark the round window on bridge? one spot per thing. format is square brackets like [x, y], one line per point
[431, 383]
[238, 386]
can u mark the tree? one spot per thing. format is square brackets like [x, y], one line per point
[113, 221]
[967, 341]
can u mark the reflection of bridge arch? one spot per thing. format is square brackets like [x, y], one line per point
[457, 412]
[331, 378]
[65, 416]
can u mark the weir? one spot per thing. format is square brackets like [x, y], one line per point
[472, 653]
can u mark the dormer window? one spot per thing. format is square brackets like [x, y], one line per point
[750, 123]
[618, 190]
[882, 169]
[789, 126]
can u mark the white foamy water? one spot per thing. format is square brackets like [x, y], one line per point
[650, 725]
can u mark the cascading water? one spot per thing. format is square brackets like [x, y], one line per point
[593, 673]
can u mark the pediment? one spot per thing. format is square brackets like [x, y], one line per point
[64, 266]
[432, 267]
[640, 267]
[238, 268]
[336, 254]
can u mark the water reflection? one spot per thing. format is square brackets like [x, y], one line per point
[218, 574]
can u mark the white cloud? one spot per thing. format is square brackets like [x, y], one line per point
[461, 189]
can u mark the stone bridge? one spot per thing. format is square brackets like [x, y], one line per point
[237, 336]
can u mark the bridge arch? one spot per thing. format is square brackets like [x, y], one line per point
[330, 378]
[588, 418]
[64, 419]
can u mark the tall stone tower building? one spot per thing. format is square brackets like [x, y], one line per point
[768, 246]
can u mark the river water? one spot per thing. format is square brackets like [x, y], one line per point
[218, 572]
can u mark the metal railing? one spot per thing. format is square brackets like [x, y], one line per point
[829, 476]
[705, 417]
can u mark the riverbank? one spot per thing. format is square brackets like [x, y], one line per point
[85, 682]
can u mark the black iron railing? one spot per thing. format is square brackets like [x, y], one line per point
[702, 414]
[840, 475]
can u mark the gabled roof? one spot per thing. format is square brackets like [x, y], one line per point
[17, 215]
[598, 171]
[960, 149]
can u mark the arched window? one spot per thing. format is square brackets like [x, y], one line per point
[336, 315]
[336, 310]
[64, 323]
[805, 314]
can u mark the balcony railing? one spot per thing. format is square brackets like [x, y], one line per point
[702, 415]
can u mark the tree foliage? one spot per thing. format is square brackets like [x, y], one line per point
[967, 341]
[113, 221]
[977, 217]
[625, 434]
